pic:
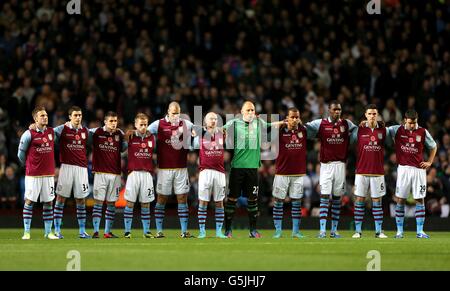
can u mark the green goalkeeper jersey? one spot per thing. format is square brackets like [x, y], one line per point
[246, 138]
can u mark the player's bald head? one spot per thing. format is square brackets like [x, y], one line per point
[247, 104]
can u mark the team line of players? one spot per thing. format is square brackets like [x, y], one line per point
[168, 137]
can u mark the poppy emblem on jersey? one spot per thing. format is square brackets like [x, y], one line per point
[418, 138]
[143, 145]
[77, 137]
[110, 139]
[83, 135]
[410, 139]
[342, 128]
[335, 130]
[150, 144]
[213, 143]
[44, 139]
[50, 137]
[300, 134]
[372, 138]
[380, 136]
[293, 137]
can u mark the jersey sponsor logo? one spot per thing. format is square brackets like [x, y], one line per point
[335, 140]
[418, 138]
[409, 149]
[372, 148]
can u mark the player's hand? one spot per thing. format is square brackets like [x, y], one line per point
[425, 165]
[362, 123]
[193, 133]
[129, 134]
[381, 123]
[32, 126]
[67, 124]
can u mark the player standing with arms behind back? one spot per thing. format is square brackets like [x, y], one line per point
[290, 169]
[334, 135]
[36, 152]
[410, 140]
[370, 139]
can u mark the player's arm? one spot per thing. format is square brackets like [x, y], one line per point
[391, 131]
[354, 136]
[153, 127]
[196, 143]
[58, 130]
[24, 144]
[351, 126]
[124, 144]
[312, 128]
[91, 132]
[431, 145]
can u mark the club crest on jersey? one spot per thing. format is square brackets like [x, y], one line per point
[380, 136]
[418, 138]
[50, 136]
[300, 134]
[342, 128]
[83, 135]
[117, 137]
[221, 141]
[150, 144]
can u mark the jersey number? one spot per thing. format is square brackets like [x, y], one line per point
[255, 190]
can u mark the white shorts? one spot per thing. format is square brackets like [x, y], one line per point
[411, 179]
[139, 186]
[106, 186]
[42, 188]
[332, 178]
[375, 184]
[178, 179]
[73, 177]
[287, 185]
[211, 182]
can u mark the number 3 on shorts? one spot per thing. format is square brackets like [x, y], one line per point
[85, 187]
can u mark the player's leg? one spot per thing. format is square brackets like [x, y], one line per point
[326, 188]
[220, 182]
[31, 196]
[378, 190]
[146, 196]
[81, 191]
[81, 217]
[338, 191]
[235, 188]
[279, 193]
[47, 197]
[402, 189]
[202, 214]
[419, 192]
[131, 193]
[63, 191]
[111, 198]
[361, 188]
[164, 190]
[100, 187]
[205, 183]
[296, 191]
[251, 189]
[181, 188]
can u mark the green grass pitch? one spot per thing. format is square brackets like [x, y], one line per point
[237, 254]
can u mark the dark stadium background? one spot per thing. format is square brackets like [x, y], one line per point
[131, 56]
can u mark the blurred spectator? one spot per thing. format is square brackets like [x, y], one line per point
[9, 189]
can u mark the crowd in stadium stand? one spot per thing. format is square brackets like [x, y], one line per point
[135, 55]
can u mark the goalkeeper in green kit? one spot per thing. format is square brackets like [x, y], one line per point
[245, 133]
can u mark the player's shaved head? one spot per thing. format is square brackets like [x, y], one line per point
[173, 112]
[248, 111]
